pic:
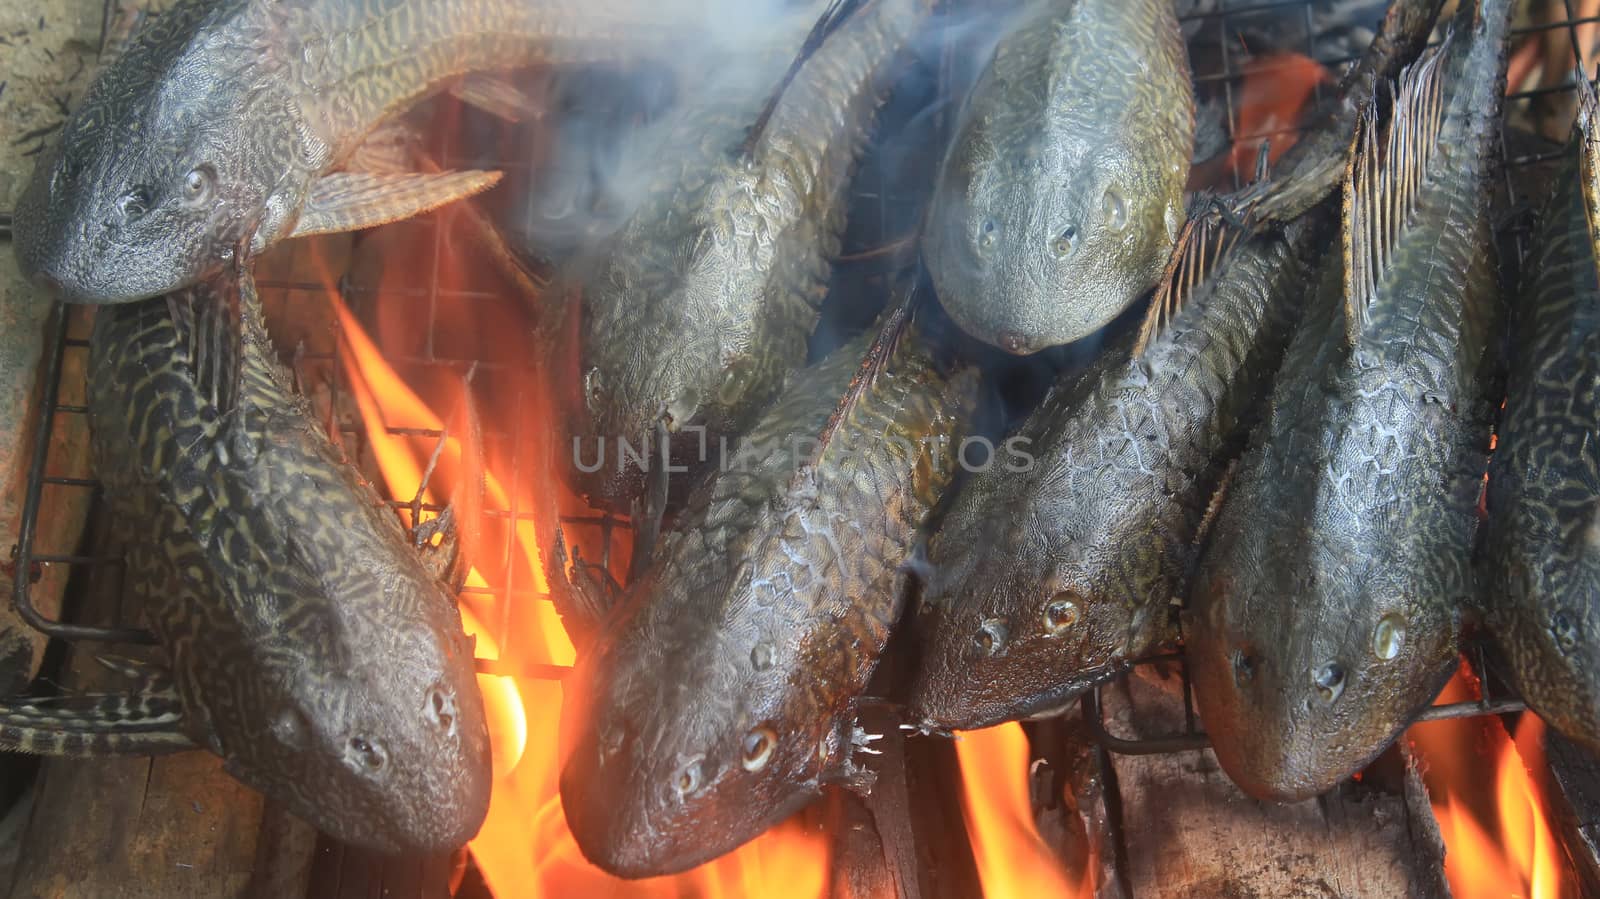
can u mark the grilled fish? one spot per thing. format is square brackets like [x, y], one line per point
[1542, 572]
[220, 130]
[1326, 609]
[701, 305]
[308, 645]
[1058, 564]
[723, 693]
[1062, 194]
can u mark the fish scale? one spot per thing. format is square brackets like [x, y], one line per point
[1327, 605]
[734, 664]
[310, 647]
[1541, 570]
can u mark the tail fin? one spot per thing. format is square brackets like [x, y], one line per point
[145, 721]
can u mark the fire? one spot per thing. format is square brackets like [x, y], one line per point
[1013, 860]
[1498, 843]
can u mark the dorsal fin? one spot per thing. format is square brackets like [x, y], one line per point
[1587, 133]
[1383, 183]
[1204, 240]
[836, 14]
[895, 323]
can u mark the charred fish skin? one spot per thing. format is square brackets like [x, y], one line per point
[1062, 194]
[1543, 547]
[216, 125]
[702, 304]
[1049, 574]
[1326, 608]
[723, 695]
[311, 648]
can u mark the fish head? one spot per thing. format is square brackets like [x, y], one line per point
[1045, 242]
[1543, 570]
[684, 738]
[1015, 620]
[695, 373]
[382, 741]
[1306, 666]
[159, 178]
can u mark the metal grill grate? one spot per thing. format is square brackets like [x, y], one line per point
[1222, 28]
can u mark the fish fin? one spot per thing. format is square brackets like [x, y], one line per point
[351, 201]
[836, 14]
[1214, 506]
[1588, 126]
[147, 720]
[389, 149]
[894, 325]
[1383, 183]
[498, 96]
[1201, 244]
[214, 331]
[648, 510]
[588, 599]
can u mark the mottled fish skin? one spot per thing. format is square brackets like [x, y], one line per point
[1541, 584]
[145, 719]
[312, 649]
[211, 129]
[1326, 608]
[1313, 168]
[723, 695]
[1062, 194]
[1051, 572]
[702, 304]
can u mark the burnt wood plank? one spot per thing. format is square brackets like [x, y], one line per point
[1190, 832]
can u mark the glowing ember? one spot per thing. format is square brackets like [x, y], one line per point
[1498, 844]
[1013, 860]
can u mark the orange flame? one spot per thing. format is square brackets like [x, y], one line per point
[1497, 844]
[1013, 860]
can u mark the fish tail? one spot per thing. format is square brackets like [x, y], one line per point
[144, 722]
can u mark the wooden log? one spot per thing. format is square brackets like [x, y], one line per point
[1190, 832]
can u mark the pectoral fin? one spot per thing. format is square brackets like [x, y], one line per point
[146, 720]
[351, 201]
[498, 96]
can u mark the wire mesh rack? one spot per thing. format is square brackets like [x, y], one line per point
[1218, 73]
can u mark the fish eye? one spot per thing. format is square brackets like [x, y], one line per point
[1564, 629]
[197, 183]
[367, 752]
[134, 203]
[444, 709]
[593, 385]
[1388, 636]
[757, 748]
[1244, 667]
[1329, 680]
[986, 232]
[689, 779]
[991, 637]
[736, 381]
[1115, 209]
[761, 656]
[1062, 245]
[1061, 612]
